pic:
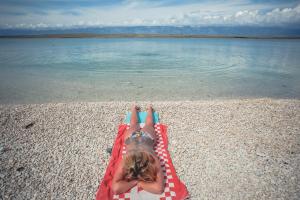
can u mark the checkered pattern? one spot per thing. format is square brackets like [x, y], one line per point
[161, 153]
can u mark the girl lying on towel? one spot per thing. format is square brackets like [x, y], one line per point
[140, 166]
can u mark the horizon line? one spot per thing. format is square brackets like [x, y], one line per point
[121, 35]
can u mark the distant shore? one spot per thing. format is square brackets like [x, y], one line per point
[88, 35]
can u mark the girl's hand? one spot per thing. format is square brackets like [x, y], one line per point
[134, 182]
[139, 183]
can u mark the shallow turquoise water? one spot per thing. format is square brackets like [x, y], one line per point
[63, 70]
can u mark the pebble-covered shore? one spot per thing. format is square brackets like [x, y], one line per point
[221, 149]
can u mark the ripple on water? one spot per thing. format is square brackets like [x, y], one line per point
[56, 70]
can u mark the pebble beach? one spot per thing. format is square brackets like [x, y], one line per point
[221, 149]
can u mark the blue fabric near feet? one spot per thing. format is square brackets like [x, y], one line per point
[142, 117]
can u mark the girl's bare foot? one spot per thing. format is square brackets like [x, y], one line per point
[150, 108]
[135, 108]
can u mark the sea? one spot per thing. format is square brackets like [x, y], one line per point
[46, 70]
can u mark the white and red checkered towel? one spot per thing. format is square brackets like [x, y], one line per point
[174, 188]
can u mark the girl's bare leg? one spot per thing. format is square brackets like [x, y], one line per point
[149, 125]
[134, 124]
[134, 118]
[149, 118]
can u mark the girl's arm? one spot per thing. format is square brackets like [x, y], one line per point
[119, 185]
[156, 187]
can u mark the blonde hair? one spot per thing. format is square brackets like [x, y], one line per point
[139, 165]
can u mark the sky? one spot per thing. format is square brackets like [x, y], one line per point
[44, 14]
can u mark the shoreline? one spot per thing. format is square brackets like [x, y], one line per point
[204, 100]
[107, 36]
[220, 148]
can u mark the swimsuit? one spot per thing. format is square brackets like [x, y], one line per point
[140, 141]
[140, 138]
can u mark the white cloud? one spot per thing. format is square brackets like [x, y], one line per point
[133, 13]
[275, 17]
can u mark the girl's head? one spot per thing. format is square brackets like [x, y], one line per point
[139, 165]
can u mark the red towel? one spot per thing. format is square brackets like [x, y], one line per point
[174, 188]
